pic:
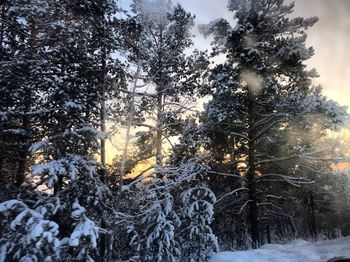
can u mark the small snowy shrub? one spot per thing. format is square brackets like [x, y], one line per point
[197, 239]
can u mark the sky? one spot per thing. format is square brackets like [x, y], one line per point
[330, 38]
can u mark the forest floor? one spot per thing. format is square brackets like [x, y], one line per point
[295, 251]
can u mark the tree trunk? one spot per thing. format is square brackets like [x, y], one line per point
[268, 234]
[22, 164]
[23, 151]
[253, 208]
[312, 215]
[128, 133]
[103, 117]
[103, 95]
[58, 185]
[293, 227]
[159, 131]
[103, 106]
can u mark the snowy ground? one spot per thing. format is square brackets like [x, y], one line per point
[295, 251]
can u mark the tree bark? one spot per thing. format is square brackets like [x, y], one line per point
[253, 208]
[312, 215]
[103, 95]
[159, 131]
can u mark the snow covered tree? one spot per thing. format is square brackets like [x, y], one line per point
[103, 42]
[166, 74]
[63, 81]
[156, 240]
[78, 69]
[157, 223]
[22, 42]
[54, 73]
[196, 236]
[40, 227]
[262, 93]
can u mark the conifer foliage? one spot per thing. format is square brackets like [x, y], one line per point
[198, 239]
[262, 94]
[239, 173]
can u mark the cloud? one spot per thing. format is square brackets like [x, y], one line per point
[331, 39]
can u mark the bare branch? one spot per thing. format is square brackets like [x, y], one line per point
[231, 193]
[226, 174]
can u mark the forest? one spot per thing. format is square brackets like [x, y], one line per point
[219, 150]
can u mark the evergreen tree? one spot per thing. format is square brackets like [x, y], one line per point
[166, 75]
[262, 93]
[30, 236]
[157, 231]
[62, 80]
[197, 238]
[22, 44]
[65, 85]
[161, 223]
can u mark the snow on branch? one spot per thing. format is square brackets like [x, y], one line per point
[294, 181]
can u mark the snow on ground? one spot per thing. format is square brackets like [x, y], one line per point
[295, 251]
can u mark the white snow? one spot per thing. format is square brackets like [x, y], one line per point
[73, 105]
[78, 210]
[295, 251]
[38, 145]
[87, 230]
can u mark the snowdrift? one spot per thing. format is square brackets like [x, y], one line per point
[295, 251]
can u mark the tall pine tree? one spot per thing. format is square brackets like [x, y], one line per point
[263, 100]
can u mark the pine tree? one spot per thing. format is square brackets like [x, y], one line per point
[156, 240]
[22, 68]
[30, 236]
[167, 76]
[64, 84]
[156, 229]
[263, 92]
[197, 238]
